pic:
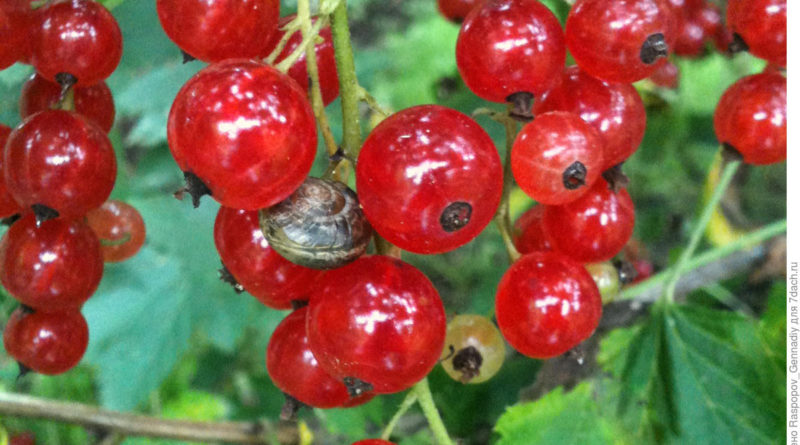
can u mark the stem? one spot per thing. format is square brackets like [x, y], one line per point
[699, 229]
[425, 399]
[17, 405]
[502, 218]
[408, 402]
[308, 40]
[384, 247]
[372, 103]
[348, 82]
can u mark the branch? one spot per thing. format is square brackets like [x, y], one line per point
[17, 405]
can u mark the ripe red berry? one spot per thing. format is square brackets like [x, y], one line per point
[94, 102]
[429, 179]
[79, 37]
[8, 206]
[378, 320]
[260, 270]
[214, 30]
[666, 75]
[619, 40]
[761, 24]
[557, 157]
[50, 268]
[294, 370]
[246, 130]
[751, 118]
[48, 343]
[457, 10]
[326, 63]
[593, 228]
[22, 439]
[13, 31]
[60, 160]
[510, 46]
[615, 110]
[546, 304]
[529, 233]
[120, 229]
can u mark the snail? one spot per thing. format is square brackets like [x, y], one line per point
[320, 225]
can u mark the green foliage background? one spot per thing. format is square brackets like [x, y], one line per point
[169, 339]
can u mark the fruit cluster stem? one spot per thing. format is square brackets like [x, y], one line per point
[408, 402]
[348, 82]
[502, 217]
[425, 399]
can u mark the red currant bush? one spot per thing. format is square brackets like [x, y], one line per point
[751, 118]
[8, 206]
[295, 371]
[528, 232]
[761, 24]
[214, 30]
[48, 343]
[474, 350]
[510, 46]
[429, 179]
[79, 37]
[245, 130]
[120, 229]
[556, 156]
[260, 270]
[619, 40]
[95, 101]
[615, 110]
[378, 320]
[60, 160]
[546, 304]
[593, 228]
[54, 267]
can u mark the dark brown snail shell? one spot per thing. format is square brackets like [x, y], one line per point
[320, 225]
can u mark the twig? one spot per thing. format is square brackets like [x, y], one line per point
[425, 399]
[502, 218]
[17, 405]
[408, 402]
[348, 83]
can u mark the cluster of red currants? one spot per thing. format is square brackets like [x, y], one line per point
[58, 170]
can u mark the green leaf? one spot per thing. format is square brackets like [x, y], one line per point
[557, 418]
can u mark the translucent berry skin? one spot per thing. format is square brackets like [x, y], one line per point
[546, 304]
[294, 370]
[326, 63]
[48, 343]
[79, 37]
[593, 228]
[13, 32]
[61, 160]
[429, 179]
[480, 333]
[8, 206]
[246, 130]
[548, 149]
[54, 267]
[214, 30]
[751, 117]
[762, 26]
[528, 232]
[510, 46]
[606, 36]
[615, 110]
[262, 272]
[457, 10]
[379, 320]
[120, 229]
[94, 102]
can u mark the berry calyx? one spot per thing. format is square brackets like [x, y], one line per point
[474, 350]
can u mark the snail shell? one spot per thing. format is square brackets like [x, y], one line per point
[320, 225]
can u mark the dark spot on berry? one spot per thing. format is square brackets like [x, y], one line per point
[290, 408]
[455, 216]
[8, 221]
[43, 213]
[626, 272]
[574, 176]
[196, 188]
[737, 45]
[653, 48]
[187, 57]
[521, 106]
[23, 370]
[356, 387]
[616, 178]
[730, 153]
[297, 304]
[226, 276]
[468, 362]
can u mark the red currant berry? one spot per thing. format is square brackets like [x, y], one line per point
[54, 267]
[260, 270]
[751, 118]
[8, 206]
[246, 130]
[48, 343]
[710, 19]
[615, 110]
[94, 102]
[666, 75]
[690, 39]
[378, 320]
[429, 179]
[373, 442]
[528, 232]
[593, 228]
[120, 229]
[13, 31]
[761, 24]
[546, 304]
[79, 37]
[60, 160]
[22, 439]
[214, 30]
[294, 370]
[556, 156]
[510, 46]
[457, 10]
[474, 349]
[326, 63]
[619, 40]
[606, 277]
